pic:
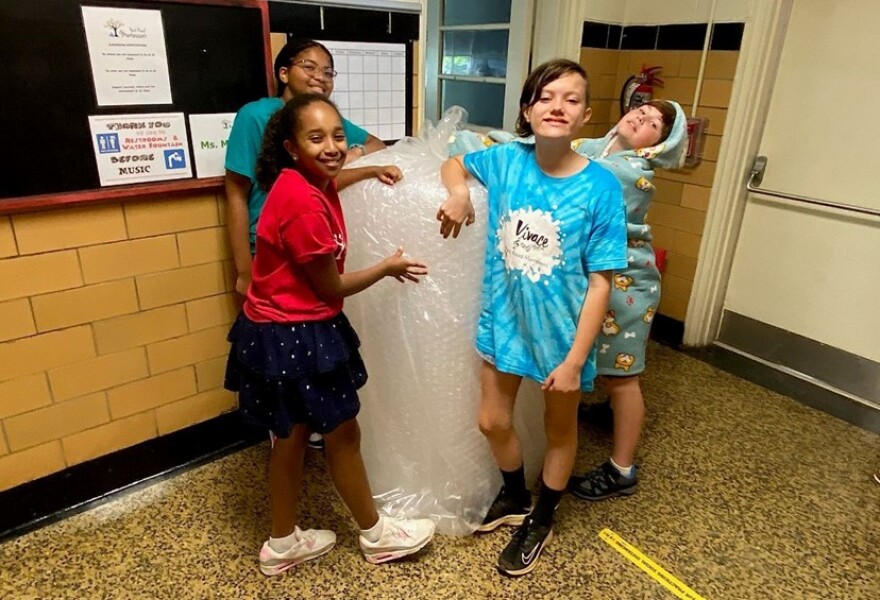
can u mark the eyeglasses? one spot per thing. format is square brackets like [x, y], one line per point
[313, 70]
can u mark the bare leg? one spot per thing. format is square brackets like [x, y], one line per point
[343, 451]
[285, 480]
[629, 416]
[560, 425]
[496, 416]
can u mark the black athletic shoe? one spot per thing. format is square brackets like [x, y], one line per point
[603, 482]
[522, 552]
[505, 510]
[598, 414]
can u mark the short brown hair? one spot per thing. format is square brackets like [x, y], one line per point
[667, 116]
[543, 74]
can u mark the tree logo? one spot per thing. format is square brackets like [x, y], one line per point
[114, 26]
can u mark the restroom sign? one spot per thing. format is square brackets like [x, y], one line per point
[140, 148]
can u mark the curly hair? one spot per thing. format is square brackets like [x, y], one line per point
[543, 74]
[283, 125]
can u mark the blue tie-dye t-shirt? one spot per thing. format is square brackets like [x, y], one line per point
[546, 235]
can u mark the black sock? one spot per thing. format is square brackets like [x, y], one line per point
[515, 485]
[548, 500]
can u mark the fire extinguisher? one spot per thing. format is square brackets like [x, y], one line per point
[639, 88]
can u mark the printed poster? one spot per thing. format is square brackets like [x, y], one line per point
[140, 148]
[210, 134]
[127, 54]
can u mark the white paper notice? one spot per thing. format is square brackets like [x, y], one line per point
[137, 148]
[210, 133]
[127, 54]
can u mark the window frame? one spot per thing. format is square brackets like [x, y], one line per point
[519, 45]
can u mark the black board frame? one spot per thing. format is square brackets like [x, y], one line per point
[48, 93]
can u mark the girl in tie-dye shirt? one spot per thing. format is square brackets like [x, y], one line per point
[556, 232]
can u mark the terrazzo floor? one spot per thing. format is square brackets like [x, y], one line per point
[744, 494]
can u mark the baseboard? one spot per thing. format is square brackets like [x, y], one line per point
[43, 501]
[821, 398]
[824, 364]
[667, 331]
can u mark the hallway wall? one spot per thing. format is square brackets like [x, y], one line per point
[113, 322]
[678, 213]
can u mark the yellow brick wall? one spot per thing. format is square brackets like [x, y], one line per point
[678, 212]
[602, 67]
[113, 322]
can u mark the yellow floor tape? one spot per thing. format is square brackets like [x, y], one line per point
[657, 573]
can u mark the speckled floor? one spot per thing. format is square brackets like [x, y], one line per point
[744, 494]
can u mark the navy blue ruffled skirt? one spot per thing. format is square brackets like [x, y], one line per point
[288, 374]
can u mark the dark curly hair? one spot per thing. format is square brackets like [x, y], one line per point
[283, 125]
[543, 74]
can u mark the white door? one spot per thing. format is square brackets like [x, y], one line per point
[804, 290]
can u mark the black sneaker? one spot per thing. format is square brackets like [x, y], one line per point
[316, 441]
[603, 482]
[598, 414]
[505, 510]
[522, 552]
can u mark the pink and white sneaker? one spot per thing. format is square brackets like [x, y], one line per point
[310, 544]
[400, 537]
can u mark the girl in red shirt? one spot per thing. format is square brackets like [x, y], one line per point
[294, 359]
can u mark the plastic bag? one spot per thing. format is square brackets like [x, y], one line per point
[424, 453]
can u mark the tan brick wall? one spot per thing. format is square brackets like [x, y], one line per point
[113, 321]
[678, 213]
[602, 67]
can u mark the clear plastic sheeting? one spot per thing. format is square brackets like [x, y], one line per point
[424, 453]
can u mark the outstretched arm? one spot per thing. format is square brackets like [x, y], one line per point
[567, 376]
[331, 285]
[387, 174]
[457, 209]
[373, 144]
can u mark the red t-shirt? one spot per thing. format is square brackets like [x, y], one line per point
[297, 223]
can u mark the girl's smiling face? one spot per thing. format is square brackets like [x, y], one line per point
[560, 109]
[318, 145]
[305, 75]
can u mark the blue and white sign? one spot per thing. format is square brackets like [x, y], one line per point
[175, 159]
[140, 148]
[108, 143]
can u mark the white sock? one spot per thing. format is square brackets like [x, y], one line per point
[373, 534]
[283, 544]
[625, 471]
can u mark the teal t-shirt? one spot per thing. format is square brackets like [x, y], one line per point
[243, 149]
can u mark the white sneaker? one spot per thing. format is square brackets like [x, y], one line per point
[400, 537]
[310, 544]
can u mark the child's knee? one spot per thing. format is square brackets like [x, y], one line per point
[493, 424]
[345, 436]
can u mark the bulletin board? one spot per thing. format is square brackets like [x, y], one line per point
[217, 61]
[373, 51]
[371, 86]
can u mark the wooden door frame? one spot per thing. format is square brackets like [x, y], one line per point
[753, 86]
